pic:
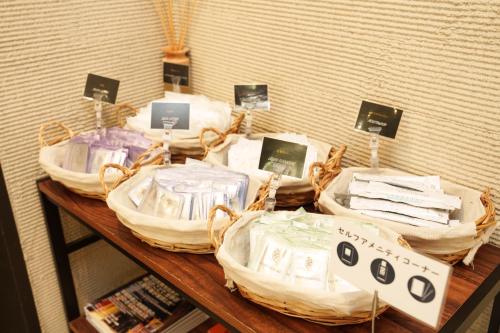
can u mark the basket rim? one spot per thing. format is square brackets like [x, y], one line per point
[300, 310]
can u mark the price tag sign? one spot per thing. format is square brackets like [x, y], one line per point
[411, 282]
[286, 157]
[105, 87]
[251, 97]
[175, 113]
[376, 115]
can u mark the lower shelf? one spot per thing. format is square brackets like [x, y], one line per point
[81, 325]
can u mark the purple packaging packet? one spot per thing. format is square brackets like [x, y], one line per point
[100, 154]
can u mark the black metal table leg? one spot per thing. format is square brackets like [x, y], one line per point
[494, 326]
[63, 268]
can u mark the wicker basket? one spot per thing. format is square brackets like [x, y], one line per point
[441, 243]
[148, 236]
[485, 222]
[320, 173]
[295, 307]
[53, 136]
[183, 148]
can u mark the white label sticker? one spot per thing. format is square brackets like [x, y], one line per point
[411, 282]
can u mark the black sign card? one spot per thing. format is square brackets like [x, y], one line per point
[254, 97]
[171, 70]
[377, 115]
[288, 156]
[167, 111]
[101, 83]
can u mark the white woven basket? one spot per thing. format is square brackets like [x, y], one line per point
[451, 244]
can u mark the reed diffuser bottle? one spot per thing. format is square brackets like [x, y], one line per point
[176, 63]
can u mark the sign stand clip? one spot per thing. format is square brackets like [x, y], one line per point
[274, 184]
[99, 96]
[374, 144]
[176, 83]
[248, 122]
[168, 124]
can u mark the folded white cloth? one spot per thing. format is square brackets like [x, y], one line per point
[203, 113]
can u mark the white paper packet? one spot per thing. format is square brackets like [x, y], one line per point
[431, 214]
[376, 190]
[401, 218]
[419, 183]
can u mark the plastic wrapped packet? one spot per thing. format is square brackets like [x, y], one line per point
[378, 190]
[309, 267]
[430, 214]
[401, 218]
[200, 188]
[88, 151]
[419, 183]
[295, 248]
[101, 154]
[138, 193]
[76, 156]
[275, 258]
[161, 202]
[133, 154]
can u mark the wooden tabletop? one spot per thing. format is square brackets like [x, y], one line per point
[201, 279]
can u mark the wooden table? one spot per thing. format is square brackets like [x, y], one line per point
[201, 280]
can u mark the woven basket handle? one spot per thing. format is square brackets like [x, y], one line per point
[260, 201]
[68, 133]
[488, 219]
[120, 112]
[321, 174]
[221, 136]
[146, 157]
[126, 174]
[214, 238]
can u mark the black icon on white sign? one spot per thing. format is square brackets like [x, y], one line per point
[347, 253]
[382, 271]
[421, 289]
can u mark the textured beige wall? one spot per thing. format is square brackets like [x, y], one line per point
[438, 60]
[46, 50]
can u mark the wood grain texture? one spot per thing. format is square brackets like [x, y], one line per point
[201, 279]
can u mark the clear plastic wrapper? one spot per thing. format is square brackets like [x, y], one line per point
[418, 183]
[87, 152]
[102, 154]
[378, 190]
[296, 247]
[139, 192]
[431, 214]
[195, 189]
[76, 156]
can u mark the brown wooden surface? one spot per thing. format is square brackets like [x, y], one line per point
[202, 279]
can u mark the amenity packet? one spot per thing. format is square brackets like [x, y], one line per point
[377, 190]
[87, 152]
[418, 183]
[101, 154]
[406, 219]
[431, 214]
[199, 188]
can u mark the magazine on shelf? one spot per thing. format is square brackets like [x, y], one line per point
[145, 305]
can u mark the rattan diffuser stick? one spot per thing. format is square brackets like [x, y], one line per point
[165, 10]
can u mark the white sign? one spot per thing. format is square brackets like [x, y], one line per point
[411, 282]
